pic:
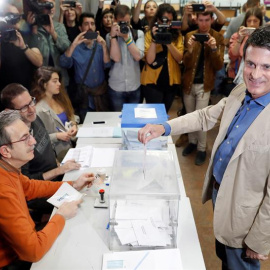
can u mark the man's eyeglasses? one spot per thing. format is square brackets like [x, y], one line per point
[25, 108]
[25, 138]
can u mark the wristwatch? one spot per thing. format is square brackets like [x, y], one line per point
[113, 37]
[26, 48]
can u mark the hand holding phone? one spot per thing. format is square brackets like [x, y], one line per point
[198, 7]
[201, 37]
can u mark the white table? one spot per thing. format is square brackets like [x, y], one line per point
[85, 238]
[112, 119]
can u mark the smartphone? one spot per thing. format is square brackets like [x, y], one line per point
[91, 35]
[70, 3]
[249, 30]
[198, 7]
[201, 37]
[98, 122]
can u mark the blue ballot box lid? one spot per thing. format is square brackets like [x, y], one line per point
[130, 121]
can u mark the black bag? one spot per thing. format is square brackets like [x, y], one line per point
[160, 59]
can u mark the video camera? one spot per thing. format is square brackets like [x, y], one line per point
[123, 27]
[8, 33]
[37, 8]
[163, 36]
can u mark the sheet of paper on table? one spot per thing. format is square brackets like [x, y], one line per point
[165, 259]
[99, 132]
[89, 156]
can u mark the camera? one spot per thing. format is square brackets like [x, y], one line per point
[123, 27]
[8, 33]
[163, 36]
[70, 3]
[37, 8]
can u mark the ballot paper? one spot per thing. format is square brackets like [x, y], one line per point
[145, 113]
[66, 193]
[165, 259]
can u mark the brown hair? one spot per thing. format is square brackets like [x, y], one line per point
[42, 76]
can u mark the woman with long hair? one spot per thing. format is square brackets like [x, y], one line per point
[150, 10]
[69, 16]
[161, 75]
[54, 108]
[253, 20]
[104, 21]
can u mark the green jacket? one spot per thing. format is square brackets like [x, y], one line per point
[47, 46]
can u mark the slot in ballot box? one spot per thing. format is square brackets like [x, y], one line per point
[144, 201]
[138, 115]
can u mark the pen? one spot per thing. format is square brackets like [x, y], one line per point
[59, 129]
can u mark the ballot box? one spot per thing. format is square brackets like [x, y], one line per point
[144, 200]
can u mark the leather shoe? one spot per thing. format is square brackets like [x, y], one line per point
[189, 149]
[181, 140]
[200, 158]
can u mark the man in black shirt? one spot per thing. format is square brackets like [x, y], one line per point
[20, 57]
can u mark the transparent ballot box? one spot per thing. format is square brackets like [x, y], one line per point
[144, 201]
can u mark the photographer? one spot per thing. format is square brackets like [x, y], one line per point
[204, 53]
[126, 50]
[53, 41]
[78, 55]
[161, 75]
[19, 53]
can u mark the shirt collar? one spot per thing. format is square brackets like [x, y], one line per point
[263, 100]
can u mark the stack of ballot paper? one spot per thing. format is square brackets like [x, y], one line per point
[89, 156]
[163, 259]
[66, 193]
[131, 142]
[142, 224]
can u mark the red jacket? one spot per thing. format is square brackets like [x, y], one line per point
[18, 237]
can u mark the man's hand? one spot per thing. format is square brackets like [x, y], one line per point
[85, 179]
[68, 209]
[19, 42]
[79, 39]
[254, 255]
[150, 132]
[115, 30]
[50, 28]
[31, 17]
[211, 42]
[188, 9]
[69, 165]
[191, 43]
[209, 7]
[101, 40]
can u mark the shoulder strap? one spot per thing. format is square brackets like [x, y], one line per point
[134, 33]
[89, 64]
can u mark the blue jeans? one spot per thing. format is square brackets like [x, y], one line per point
[233, 258]
[117, 99]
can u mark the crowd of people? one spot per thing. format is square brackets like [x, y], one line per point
[55, 70]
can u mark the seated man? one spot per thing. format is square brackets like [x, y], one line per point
[43, 166]
[18, 238]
